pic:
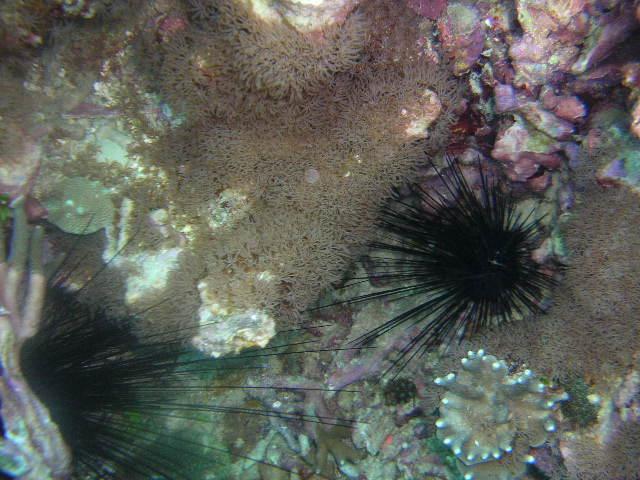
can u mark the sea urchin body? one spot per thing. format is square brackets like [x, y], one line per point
[467, 262]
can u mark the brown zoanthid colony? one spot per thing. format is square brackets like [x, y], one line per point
[276, 163]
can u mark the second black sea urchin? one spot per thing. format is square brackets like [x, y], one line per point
[461, 258]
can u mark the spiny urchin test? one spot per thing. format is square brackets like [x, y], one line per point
[464, 258]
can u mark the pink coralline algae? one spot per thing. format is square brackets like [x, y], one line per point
[523, 151]
[550, 43]
[505, 98]
[555, 115]
[462, 35]
[610, 30]
[565, 37]
[543, 128]
[546, 122]
[566, 107]
[598, 80]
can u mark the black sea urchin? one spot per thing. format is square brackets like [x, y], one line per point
[135, 408]
[466, 262]
[86, 397]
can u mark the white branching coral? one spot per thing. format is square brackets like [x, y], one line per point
[491, 419]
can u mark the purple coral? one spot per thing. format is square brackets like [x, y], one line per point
[462, 34]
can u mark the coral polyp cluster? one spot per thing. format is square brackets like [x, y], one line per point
[239, 60]
[289, 144]
[490, 418]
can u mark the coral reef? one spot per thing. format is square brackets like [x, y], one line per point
[591, 331]
[490, 418]
[303, 239]
[81, 392]
[600, 330]
[241, 151]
